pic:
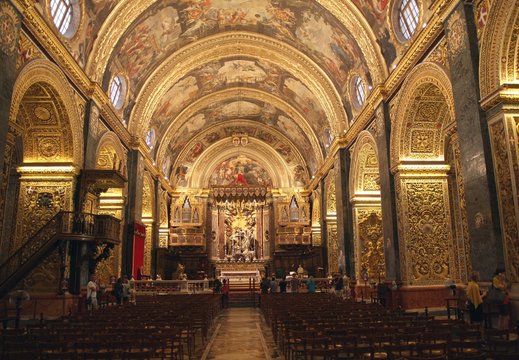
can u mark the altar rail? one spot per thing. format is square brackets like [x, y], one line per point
[157, 287]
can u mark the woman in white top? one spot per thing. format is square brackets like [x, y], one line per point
[92, 292]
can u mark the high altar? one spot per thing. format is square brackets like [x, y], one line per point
[240, 225]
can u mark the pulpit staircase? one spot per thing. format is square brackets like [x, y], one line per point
[63, 226]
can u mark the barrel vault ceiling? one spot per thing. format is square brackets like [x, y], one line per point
[198, 72]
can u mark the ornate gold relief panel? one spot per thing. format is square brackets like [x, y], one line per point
[316, 218]
[505, 156]
[44, 278]
[369, 242]
[424, 229]
[39, 201]
[333, 248]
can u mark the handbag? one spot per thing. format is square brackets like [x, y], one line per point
[495, 295]
[88, 300]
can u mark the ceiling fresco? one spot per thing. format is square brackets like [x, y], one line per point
[237, 135]
[169, 25]
[257, 74]
[293, 59]
[240, 170]
[259, 112]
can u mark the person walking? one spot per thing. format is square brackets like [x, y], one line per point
[310, 284]
[92, 289]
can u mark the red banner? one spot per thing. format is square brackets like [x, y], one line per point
[139, 236]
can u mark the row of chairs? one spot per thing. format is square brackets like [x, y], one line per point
[155, 327]
[321, 326]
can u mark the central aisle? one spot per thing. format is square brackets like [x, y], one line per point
[241, 334]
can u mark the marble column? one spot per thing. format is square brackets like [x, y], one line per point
[382, 132]
[133, 209]
[8, 52]
[344, 215]
[476, 158]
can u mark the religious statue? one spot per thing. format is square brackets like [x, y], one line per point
[300, 271]
[179, 274]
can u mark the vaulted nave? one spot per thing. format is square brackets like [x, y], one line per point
[185, 141]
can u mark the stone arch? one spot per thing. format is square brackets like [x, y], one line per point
[367, 210]
[425, 107]
[43, 76]
[499, 63]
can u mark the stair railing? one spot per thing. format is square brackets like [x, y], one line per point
[42, 238]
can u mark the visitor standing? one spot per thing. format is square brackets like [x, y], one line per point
[225, 294]
[92, 289]
[283, 285]
[474, 299]
[273, 285]
[500, 287]
[294, 284]
[310, 284]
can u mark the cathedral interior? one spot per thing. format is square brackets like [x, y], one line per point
[377, 139]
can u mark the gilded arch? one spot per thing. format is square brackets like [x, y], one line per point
[263, 154]
[366, 207]
[426, 93]
[364, 166]
[43, 71]
[110, 153]
[499, 63]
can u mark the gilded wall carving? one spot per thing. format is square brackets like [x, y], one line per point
[457, 33]
[459, 210]
[331, 197]
[333, 248]
[39, 201]
[147, 218]
[505, 187]
[424, 230]
[107, 267]
[369, 242]
[44, 278]
[27, 51]
[439, 54]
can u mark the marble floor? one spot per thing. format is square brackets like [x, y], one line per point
[240, 334]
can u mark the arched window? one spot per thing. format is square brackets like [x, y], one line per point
[118, 91]
[408, 16]
[62, 14]
[360, 90]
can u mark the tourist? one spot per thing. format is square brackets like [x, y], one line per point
[283, 285]
[118, 290]
[310, 284]
[264, 286]
[339, 285]
[217, 286]
[500, 287]
[225, 293]
[92, 289]
[273, 285]
[294, 283]
[475, 301]
[126, 289]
